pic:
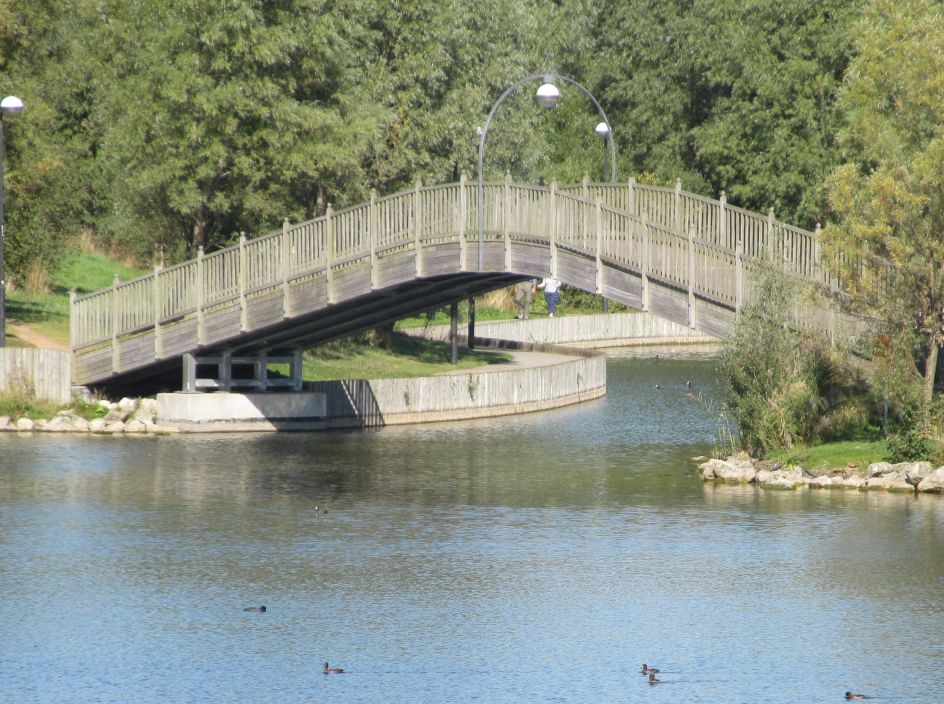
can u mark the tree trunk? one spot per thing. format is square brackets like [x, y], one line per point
[930, 369]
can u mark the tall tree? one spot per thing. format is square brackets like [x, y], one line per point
[888, 236]
[223, 117]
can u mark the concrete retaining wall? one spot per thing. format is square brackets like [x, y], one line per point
[609, 330]
[460, 396]
[224, 411]
[41, 373]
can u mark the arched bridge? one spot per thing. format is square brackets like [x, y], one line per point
[681, 256]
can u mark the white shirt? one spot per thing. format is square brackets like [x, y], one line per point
[549, 285]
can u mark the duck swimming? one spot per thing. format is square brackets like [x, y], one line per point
[646, 669]
[260, 609]
[653, 680]
[853, 695]
[332, 670]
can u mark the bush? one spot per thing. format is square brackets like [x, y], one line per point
[784, 387]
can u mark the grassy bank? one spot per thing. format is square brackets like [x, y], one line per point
[834, 455]
[405, 357]
[48, 313]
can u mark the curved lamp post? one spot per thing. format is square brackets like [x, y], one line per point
[11, 105]
[547, 96]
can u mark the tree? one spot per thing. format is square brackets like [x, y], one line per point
[220, 118]
[887, 240]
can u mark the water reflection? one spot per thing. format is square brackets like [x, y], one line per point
[535, 558]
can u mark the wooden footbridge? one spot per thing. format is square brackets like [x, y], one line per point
[684, 257]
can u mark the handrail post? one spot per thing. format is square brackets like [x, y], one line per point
[329, 253]
[372, 227]
[73, 320]
[243, 284]
[691, 279]
[115, 360]
[553, 229]
[631, 196]
[585, 192]
[286, 263]
[723, 220]
[678, 206]
[200, 296]
[598, 212]
[417, 226]
[506, 218]
[156, 295]
[738, 280]
[771, 250]
[463, 216]
[646, 260]
[814, 268]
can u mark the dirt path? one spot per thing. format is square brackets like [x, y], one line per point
[32, 337]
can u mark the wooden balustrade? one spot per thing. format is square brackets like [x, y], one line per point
[697, 244]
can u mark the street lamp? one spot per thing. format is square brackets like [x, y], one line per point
[548, 95]
[11, 105]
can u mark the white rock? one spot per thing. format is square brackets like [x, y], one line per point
[148, 404]
[97, 425]
[59, 424]
[854, 482]
[116, 427]
[934, 482]
[914, 472]
[25, 424]
[5, 422]
[892, 481]
[135, 426]
[822, 482]
[80, 425]
[877, 469]
[728, 470]
[763, 476]
[104, 403]
[127, 404]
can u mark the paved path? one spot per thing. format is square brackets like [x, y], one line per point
[521, 358]
[34, 338]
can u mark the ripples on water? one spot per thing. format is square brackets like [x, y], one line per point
[528, 559]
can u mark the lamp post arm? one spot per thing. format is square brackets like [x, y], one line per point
[609, 129]
[481, 184]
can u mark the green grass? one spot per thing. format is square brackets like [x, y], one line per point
[834, 455]
[441, 317]
[48, 313]
[21, 405]
[408, 357]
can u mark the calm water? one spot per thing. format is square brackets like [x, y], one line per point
[532, 559]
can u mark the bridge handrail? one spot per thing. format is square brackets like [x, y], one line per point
[674, 222]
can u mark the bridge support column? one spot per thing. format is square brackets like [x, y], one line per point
[454, 331]
[198, 377]
[471, 331]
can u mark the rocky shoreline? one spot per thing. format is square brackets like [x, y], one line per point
[912, 477]
[128, 416]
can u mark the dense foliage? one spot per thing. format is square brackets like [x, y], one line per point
[783, 386]
[161, 125]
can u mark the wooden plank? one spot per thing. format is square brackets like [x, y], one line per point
[264, 310]
[714, 320]
[669, 304]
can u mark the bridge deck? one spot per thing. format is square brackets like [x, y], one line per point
[684, 257]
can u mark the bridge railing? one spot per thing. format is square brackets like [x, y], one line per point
[685, 239]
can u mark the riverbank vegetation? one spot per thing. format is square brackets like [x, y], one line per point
[886, 242]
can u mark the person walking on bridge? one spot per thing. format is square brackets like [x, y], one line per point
[524, 291]
[551, 294]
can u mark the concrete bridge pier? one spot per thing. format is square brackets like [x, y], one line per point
[223, 371]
